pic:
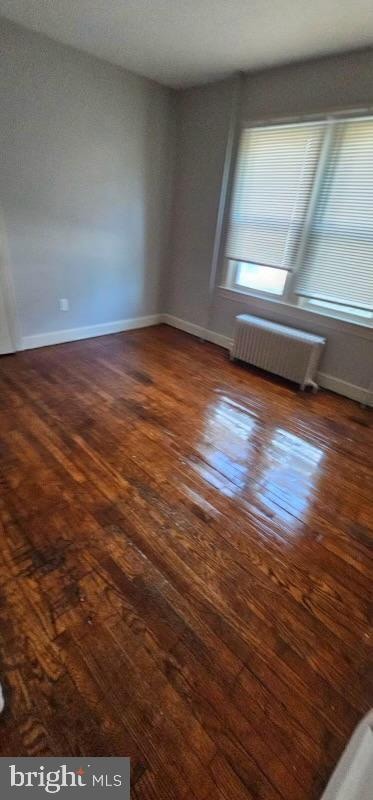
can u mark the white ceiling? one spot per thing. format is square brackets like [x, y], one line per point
[185, 42]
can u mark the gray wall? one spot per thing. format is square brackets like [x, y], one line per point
[85, 153]
[202, 124]
[203, 121]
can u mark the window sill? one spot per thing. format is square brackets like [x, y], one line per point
[297, 313]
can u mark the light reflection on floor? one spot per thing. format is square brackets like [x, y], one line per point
[289, 472]
[274, 468]
[228, 441]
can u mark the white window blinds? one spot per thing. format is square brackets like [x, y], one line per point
[274, 178]
[337, 261]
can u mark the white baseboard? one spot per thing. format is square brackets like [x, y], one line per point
[197, 330]
[337, 385]
[87, 332]
[350, 390]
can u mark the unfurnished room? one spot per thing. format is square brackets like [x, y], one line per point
[186, 394]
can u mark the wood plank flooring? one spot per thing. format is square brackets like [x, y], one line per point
[186, 570]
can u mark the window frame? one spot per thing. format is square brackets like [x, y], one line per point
[288, 296]
[311, 304]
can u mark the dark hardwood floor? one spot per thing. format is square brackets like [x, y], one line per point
[186, 571]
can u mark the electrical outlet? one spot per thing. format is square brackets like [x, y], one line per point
[64, 304]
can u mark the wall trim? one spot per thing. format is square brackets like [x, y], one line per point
[8, 291]
[197, 330]
[351, 390]
[87, 332]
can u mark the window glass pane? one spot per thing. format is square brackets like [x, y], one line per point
[263, 279]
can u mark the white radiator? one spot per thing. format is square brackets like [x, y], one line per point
[285, 351]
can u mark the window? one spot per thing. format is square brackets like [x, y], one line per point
[262, 279]
[301, 222]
